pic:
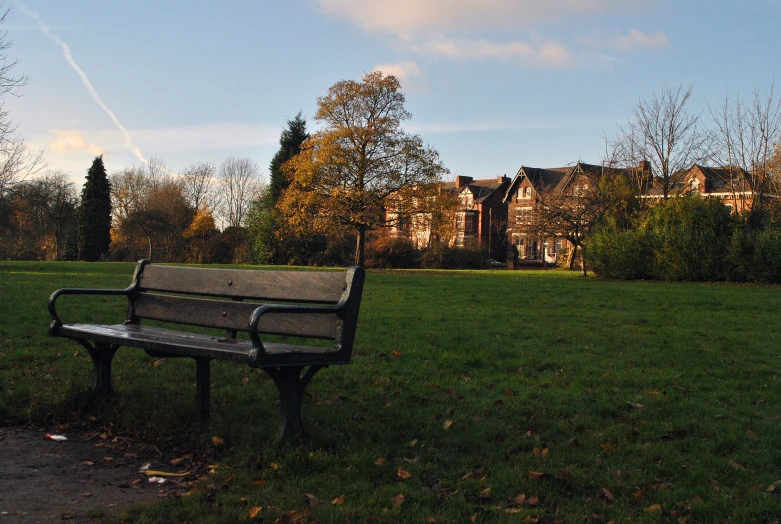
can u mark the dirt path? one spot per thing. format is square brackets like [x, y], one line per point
[82, 479]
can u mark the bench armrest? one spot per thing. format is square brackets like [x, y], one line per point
[257, 344]
[57, 322]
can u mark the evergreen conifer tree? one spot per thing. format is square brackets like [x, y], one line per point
[262, 219]
[289, 146]
[95, 213]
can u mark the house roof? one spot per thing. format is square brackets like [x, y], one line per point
[554, 180]
[721, 179]
[482, 189]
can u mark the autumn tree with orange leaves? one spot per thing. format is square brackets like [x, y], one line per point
[347, 171]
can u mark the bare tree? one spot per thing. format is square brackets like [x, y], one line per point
[239, 183]
[662, 131]
[17, 161]
[128, 190]
[198, 184]
[62, 199]
[745, 138]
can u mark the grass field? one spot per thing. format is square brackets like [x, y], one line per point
[478, 396]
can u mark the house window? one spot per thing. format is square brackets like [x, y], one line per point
[470, 224]
[556, 246]
[695, 184]
[523, 215]
[525, 192]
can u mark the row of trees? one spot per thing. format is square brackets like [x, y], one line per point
[144, 211]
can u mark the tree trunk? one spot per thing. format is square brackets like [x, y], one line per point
[583, 260]
[359, 246]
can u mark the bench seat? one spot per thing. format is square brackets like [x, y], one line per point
[158, 340]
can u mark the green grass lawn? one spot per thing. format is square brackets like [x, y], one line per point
[638, 401]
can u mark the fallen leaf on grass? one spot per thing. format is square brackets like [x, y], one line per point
[653, 393]
[447, 424]
[260, 482]
[537, 475]
[606, 495]
[253, 512]
[403, 474]
[537, 452]
[218, 441]
[396, 354]
[160, 362]
[654, 508]
[607, 447]
[312, 500]
[153, 473]
[735, 465]
[751, 433]
[518, 499]
[380, 461]
[398, 500]
[88, 463]
[338, 501]
[634, 405]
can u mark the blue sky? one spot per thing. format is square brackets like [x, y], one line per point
[491, 84]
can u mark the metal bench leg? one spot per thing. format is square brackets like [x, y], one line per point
[291, 386]
[202, 386]
[102, 355]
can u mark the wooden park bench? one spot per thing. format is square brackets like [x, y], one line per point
[303, 304]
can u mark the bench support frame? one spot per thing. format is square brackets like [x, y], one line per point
[291, 385]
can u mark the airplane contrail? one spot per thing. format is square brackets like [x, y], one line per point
[84, 80]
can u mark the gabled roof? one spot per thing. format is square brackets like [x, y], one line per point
[550, 179]
[482, 189]
[721, 179]
[554, 180]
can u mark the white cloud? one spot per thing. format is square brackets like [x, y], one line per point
[458, 29]
[409, 17]
[404, 70]
[636, 39]
[548, 54]
[69, 140]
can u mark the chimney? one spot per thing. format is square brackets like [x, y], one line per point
[502, 179]
[461, 181]
[644, 167]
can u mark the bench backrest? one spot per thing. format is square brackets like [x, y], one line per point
[225, 298]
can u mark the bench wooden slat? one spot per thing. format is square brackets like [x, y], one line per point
[226, 314]
[269, 286]
[183, 343]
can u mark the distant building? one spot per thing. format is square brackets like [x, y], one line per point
[732, 185]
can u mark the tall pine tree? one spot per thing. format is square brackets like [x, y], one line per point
[95, 213]
[289, 146]
[262, 219]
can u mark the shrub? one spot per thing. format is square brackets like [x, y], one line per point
[622, 255]
[439, 256]
[690, 237]
[755, 255]
[387, 251]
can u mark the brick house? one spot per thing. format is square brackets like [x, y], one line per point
[479, 216]
[733, 185]
[568, 184]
